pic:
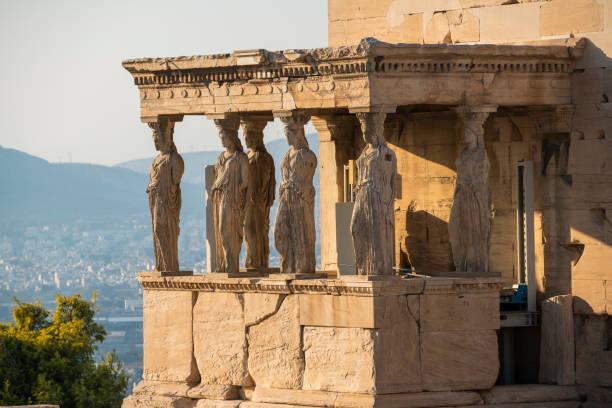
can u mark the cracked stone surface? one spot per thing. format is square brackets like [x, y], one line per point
[275, 348]
[220, 347]
[340, 359]
[259, 306]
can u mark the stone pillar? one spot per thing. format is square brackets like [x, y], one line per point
[229, 194]
[554, 125]
[294, 228]
[336, 148]
[164, 190]
[261, 194]
[373, 221]
[211, 243]
[469, 226]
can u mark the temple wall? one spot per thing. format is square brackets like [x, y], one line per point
[427, 145]
[573, 170]
[473, 22]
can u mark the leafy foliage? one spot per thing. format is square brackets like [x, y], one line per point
[50, 360]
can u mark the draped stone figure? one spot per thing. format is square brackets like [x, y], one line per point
[261, 192]
[229, 195]
[294, 228]
[469, 226]
[165, 196]
[373, 222]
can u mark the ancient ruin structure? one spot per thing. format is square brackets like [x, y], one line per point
[497, 117]
[164, 191]
[229, 195]
[469, 225]
[372, 223]
[262, 184]
[294, 229]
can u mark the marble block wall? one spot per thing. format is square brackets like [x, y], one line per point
[224, 339]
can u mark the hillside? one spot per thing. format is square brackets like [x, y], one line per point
[34, 191]
[195, 161]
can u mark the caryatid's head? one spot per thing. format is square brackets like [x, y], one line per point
[372, 127]
[163, 134]
[252, 130]
[228, 133]
[294, 128]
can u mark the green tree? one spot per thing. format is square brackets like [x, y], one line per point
[49, 360]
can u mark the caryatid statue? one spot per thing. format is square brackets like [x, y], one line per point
[294, 228]
[261, 192]
[165, 196]
[229, 196]
[469, 226]
[373, 222]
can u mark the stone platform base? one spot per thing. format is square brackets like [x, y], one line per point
[522, 396]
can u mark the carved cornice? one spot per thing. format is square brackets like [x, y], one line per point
[323, 286]
[369, 56]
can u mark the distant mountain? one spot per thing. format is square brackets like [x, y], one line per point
[195, 161]
[34, 191]
[194, 165]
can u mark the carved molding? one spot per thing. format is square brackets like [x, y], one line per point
[366, 57]
[324, 286]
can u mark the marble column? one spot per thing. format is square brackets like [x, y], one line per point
[373, 221]
[469, 226]
[294, 228]
[229, 195]
[164, 192]
[336, 148]
[558, 252]
[261, 192]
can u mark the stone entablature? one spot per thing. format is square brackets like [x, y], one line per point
[351, 286]
[353, 77]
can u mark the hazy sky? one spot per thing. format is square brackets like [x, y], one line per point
[65, 96]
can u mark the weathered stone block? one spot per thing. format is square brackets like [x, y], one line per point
[397, 352]
[474, 311]
[220, 346]
[515, 22]
[298, 397]
[459, 360]
[571, 16]
[168, 389]
[347, 311]
[409, 31]
[593, 263]
[275, 357]
[589, 296]
[356, 9]
[167, 336]
[557, 362]
[156, 401]
[339, 359]
[464, 26]
[259, 306]
[588, 156]
[339, 311]
[213, 391]
[593, 355]
[481, 3]
[437, 30]
[519, 394]
[207, 403]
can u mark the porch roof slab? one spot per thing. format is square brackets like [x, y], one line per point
[371, 73]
